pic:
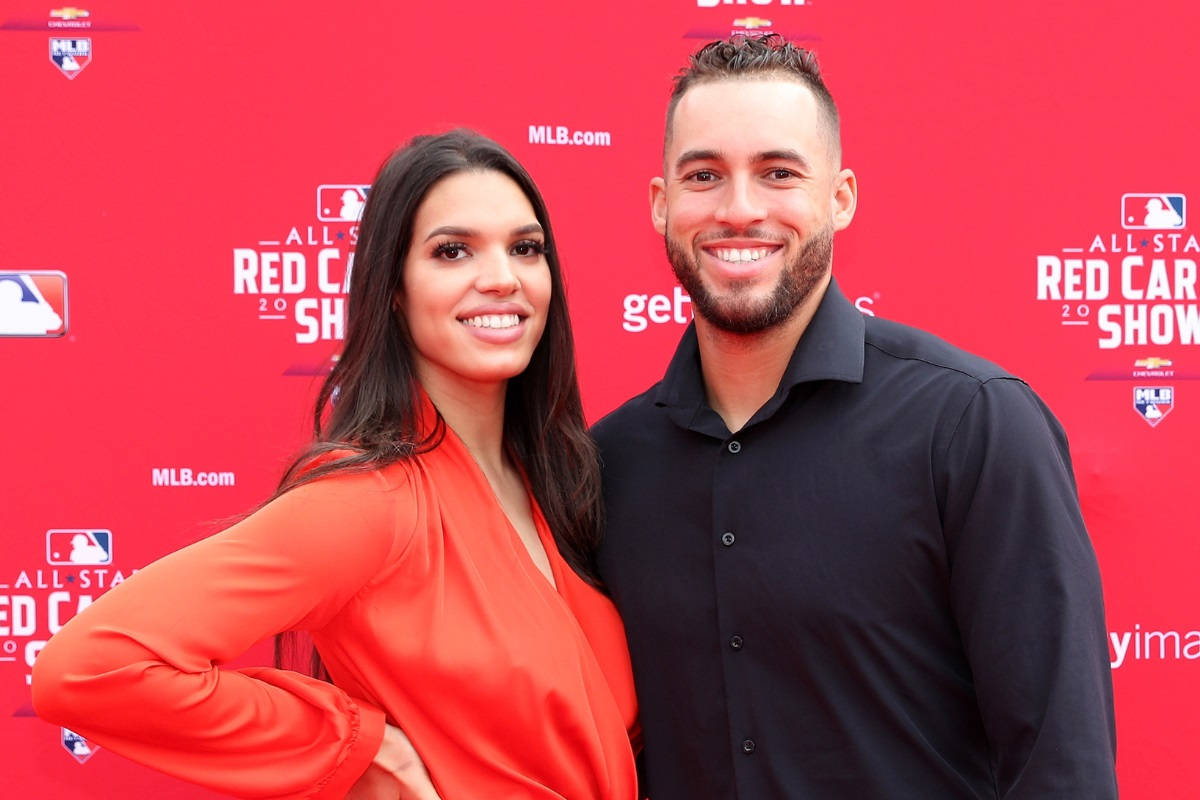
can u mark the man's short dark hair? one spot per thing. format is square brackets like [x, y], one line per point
[767, 56]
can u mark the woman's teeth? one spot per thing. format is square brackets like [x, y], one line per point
[493, 321]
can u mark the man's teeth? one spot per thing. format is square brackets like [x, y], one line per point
[739, 256]
[493, 321]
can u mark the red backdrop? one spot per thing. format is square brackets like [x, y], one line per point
[172, 185]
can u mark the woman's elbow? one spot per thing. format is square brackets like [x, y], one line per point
[51, 684]
[62, 681]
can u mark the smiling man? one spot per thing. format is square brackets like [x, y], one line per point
[849, 556]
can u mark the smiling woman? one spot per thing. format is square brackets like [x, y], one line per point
[476, 284]
[432, 540]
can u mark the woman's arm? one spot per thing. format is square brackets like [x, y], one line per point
[138, 671]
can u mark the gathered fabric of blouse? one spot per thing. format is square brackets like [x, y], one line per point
[427, 610]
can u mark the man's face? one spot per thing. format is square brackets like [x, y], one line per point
[750, 200]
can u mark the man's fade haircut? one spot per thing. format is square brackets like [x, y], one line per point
[766, 56]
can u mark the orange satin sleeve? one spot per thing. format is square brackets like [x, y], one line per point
[138, 671]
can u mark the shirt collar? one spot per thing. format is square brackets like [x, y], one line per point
[831, 348]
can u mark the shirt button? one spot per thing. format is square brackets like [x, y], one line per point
[735, 447]
[736, 642]
[727, 538]
[748, 746]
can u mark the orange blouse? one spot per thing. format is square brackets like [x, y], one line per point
[428, 612]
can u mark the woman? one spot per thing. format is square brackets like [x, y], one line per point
[426, 541]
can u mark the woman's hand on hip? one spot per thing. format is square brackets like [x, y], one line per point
[396, 772]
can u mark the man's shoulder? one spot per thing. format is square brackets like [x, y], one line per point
[920, 349]
[632, 414]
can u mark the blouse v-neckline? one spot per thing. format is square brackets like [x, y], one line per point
[540, 526]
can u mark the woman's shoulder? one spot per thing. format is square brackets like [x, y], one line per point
[344, 468]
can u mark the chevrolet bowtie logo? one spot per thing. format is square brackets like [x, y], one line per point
[70, 12]
[752, 22]
[1152, 363]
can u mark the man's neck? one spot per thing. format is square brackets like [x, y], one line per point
[742, 371]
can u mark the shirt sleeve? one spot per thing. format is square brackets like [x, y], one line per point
[1025, 588]
[139, 670]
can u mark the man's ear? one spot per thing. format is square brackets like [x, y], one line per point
[845, 199]
[658, 204]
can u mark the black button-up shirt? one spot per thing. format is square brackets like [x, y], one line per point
[881, 587]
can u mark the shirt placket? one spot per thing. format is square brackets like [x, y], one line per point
[731, 538]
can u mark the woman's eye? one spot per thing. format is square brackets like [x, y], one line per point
[528, 248]
[451, 251]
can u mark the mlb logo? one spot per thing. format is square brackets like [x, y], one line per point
[341, 202]
[1153, 403]
[1153, 212]
[33, 303]
[74, 546]
[79, 747]
[71, 55]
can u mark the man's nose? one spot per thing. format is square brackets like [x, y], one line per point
[740, 204]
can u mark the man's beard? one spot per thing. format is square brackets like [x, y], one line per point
[737, 312]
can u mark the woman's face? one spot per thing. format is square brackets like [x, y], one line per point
[476, 287]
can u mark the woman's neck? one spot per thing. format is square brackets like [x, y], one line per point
[475, 412]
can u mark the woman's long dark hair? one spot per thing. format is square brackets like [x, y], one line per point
[366, 414]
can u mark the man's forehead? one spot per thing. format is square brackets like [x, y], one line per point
[752, 155]
[746, 117]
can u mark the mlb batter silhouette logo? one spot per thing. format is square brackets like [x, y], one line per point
[33, 303]
[1153, 211]
[77, 546]
[341, 202]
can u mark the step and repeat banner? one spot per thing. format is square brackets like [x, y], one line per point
[180, 187]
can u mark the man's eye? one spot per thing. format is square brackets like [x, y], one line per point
[703, 176]
[781, 174]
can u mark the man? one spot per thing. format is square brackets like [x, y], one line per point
[849, 556]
